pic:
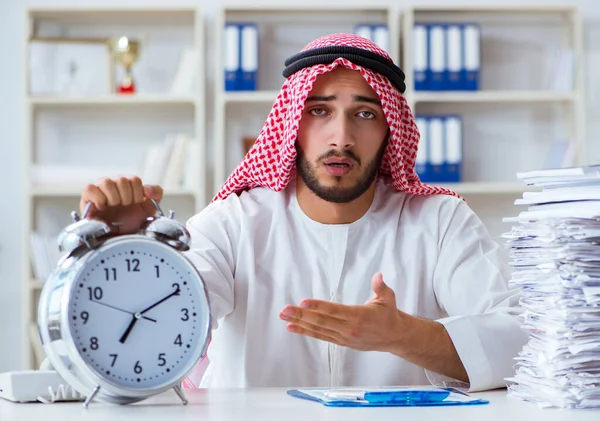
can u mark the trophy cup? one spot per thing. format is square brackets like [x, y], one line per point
[126, 52]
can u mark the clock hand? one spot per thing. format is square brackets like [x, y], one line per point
[120, 309]
[128, 330]
[176, 292]
[137, 316]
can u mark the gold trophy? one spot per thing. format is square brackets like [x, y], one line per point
[126, 52]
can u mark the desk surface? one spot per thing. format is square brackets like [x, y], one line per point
[274, 404]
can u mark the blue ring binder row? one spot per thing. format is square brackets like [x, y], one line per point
[240, 55]
[378, 33]
[400, 396]
[440, 154]
[446, 56]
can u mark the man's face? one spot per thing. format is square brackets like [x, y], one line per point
[342, 136]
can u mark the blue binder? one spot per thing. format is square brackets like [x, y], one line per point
[455, 56]
[231, 56]
[249, 56]
[402, 396]
[420, 57]
[436, 157]
[472, 63]
[437, 57]
[422, 159]
[453, 149]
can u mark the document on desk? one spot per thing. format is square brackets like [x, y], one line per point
[395, 396]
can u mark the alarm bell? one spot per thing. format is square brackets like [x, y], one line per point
[83, 232]
[167, 229]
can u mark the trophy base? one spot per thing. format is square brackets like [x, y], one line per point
[126, 89]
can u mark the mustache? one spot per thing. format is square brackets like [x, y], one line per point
[332, 153]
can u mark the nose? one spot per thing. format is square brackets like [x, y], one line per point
[342, 136]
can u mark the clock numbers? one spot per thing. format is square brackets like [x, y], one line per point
[185, 316]
[137, 368]
[85, 316]
[133, 265]
[110, 274]
[94, 343]
[161, 360]
[157, 271]
[114, 357]
[95, 293]
[178, 340]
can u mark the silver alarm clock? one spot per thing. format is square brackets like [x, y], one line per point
[124, 318]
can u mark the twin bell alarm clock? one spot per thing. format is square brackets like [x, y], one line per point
[123, 318]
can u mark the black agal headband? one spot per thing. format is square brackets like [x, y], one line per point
[358, 56]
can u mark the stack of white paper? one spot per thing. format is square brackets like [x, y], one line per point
[555, 255]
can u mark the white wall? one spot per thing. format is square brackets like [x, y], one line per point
[12, 129]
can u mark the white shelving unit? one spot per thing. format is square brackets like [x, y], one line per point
[95, 128]
[283, 31]
[503, 91]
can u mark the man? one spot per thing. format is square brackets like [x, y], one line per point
[328, 263]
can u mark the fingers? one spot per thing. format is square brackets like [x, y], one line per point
[314, 318]
[122, 191]
[93, 194]
[317, 334]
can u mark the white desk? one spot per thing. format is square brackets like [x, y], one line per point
[274, 404]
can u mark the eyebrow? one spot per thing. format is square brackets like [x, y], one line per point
[355, 98]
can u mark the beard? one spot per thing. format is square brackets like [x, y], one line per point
[338, 194]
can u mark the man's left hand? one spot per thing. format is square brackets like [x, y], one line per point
[373, 326]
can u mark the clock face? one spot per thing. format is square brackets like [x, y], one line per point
[138, 314]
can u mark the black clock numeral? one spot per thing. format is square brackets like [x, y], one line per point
[157, 271]
[95, 293]
[178, 340]
[114, 357]
[111, 274]
[161, 360]
[185, 316]
[137, 368]
[177, 289]
[94, 343]
[133, 265]
[85, 316]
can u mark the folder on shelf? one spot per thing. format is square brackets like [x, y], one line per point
[472, 46]
[378, 33]
[421, 162]
[231, 56]
[437, 70]
[435, 130]
[453, 149]
[454, 51]
[249, 56]
[420, 57]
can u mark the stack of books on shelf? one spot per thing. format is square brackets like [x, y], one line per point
[171, 164]
[447, 57]
[555, 252]
[439, 157]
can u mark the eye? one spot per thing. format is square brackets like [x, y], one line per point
[318, 111]
[367, 114]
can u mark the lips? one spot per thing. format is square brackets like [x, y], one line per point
[339, 162]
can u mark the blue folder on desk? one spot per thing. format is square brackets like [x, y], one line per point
[401, 396]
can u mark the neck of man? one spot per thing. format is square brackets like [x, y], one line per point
[326, 212]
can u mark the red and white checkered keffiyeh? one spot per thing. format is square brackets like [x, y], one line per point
[271, 161]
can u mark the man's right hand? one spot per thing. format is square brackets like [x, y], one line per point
[123, 200]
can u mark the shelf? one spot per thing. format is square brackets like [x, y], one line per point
[75, 190]
[249, 96]
[493, 8]
[484, 187]
[111, 100]
[494, 96]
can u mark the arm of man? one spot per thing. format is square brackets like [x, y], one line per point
[212, 252]
[473, 347]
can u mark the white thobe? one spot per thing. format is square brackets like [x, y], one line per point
[258, 252]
